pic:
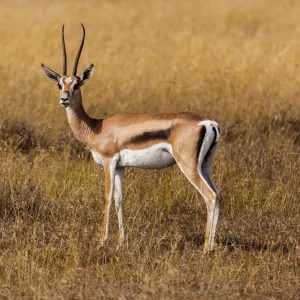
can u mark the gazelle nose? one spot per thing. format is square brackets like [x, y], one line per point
[64, 99]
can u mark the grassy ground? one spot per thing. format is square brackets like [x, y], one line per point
[236, 62]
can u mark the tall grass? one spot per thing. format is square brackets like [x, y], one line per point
[235, 62]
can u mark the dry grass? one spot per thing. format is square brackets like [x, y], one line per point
[234, 61]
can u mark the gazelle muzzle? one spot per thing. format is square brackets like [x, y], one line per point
[64, 99]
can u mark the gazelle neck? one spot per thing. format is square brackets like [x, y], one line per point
[80, 122]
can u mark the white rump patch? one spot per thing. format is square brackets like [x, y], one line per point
[209, 125]
[210, 137]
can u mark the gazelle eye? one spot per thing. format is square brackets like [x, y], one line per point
[59, 86]
[76, 86]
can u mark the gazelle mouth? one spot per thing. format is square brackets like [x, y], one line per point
[64, 104]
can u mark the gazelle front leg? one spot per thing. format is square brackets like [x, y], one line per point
[118, 195]
[109, 170]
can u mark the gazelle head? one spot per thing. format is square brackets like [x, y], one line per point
[69, 86]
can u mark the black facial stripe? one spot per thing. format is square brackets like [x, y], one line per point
[76, 86]
[151, 135]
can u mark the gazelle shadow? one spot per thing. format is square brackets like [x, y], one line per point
[233, 244]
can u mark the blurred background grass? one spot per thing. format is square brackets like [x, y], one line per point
[235, 62]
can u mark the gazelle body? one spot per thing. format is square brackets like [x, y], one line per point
[145, 141]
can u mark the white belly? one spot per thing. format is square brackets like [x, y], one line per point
[155, 157]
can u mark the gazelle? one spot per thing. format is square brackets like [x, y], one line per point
[143, 141]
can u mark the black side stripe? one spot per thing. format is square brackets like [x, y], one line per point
[151, 135]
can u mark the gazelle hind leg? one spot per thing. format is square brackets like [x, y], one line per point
[192, 174]
[212, 205]
[118, 195]
[196, 167]
[212, 199]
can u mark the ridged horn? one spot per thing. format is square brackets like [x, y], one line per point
[64, 72]
[79, 52]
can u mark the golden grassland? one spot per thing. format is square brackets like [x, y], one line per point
[236, 62]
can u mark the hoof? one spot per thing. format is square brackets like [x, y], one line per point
[208, 249]
[121, 243]
[103, 241]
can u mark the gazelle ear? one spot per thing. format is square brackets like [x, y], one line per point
[51, 74]
[87, 74]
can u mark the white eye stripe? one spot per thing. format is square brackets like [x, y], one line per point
[70, 83]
